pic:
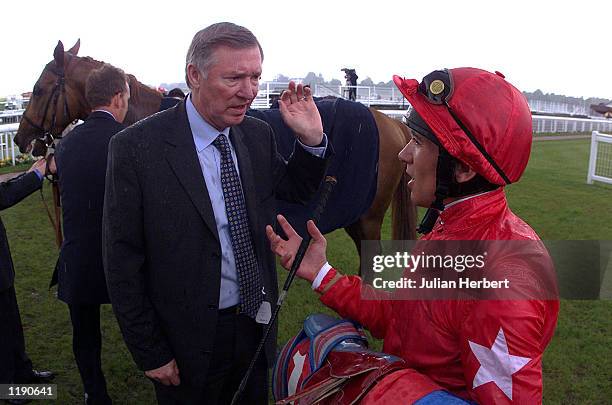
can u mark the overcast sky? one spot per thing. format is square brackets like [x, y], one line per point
[556, 46]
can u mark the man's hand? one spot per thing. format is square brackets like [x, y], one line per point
[40, 166]
[315, 256]
[300, 114]
[167, 374]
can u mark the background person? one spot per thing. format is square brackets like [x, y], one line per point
[81, 168]
[15, 365]
[351, 81]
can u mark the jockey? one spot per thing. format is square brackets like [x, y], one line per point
[471, 136]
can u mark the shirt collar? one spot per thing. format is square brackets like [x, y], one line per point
[203, 133]
[105, 111]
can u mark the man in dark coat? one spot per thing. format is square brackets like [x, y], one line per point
[188, 194]
[15, 366]
[351, 81]
[81, 167]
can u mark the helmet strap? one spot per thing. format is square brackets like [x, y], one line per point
[444, 177]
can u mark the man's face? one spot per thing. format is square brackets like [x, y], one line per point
[230, 85]
[421, 157]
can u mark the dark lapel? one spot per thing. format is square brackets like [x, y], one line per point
[246, 176]
[183, 158]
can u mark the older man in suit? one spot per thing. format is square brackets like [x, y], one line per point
[188, 194]
[81, 167]
[15, 366]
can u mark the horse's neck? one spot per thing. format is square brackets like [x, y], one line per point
[78, 77]
[144, 101]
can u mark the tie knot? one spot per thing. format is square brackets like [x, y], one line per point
[221, 143]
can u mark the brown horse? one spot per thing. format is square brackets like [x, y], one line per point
[58, 99]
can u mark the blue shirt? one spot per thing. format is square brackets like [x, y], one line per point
[210, 162]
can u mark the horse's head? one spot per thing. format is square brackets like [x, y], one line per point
[57, 100]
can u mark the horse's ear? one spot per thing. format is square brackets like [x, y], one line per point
[58, 55]
[75, 49]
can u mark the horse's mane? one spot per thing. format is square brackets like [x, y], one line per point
[137, 88]
[88, 59]
[135, 85]
[144, 100]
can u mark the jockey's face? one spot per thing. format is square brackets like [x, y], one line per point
[224, 93]
[421, 157]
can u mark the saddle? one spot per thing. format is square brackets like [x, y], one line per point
[329, 362]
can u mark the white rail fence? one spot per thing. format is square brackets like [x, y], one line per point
[549, 124]
[600, 160]
[8, 150]
[11, 116]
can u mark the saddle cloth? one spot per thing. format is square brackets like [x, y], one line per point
[351, 128]
[329, 362]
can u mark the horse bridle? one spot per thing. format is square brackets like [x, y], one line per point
[48, 138]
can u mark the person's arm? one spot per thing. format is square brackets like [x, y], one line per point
[18, 188]
[297, 179]
[124, 258]
[501, 350]
[346, 296]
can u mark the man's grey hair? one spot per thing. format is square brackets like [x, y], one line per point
[205, 42]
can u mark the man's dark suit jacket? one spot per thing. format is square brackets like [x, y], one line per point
[81, 168]
[11, 192]
[161, 247]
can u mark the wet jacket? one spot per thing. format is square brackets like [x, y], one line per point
[481, 350]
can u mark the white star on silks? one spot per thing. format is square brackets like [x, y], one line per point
[497, 364]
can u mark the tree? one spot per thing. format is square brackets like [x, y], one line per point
[367, 82]
[312, 79]
[281, 78]
[335, 82]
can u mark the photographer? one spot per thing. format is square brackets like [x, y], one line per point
[351, 82]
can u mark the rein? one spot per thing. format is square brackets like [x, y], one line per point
[56, 224]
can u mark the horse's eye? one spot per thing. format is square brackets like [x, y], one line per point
[37, 90]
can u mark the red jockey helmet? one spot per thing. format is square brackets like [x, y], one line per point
[478, 117]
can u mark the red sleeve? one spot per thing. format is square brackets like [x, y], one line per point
[361, 303]
[502, 343]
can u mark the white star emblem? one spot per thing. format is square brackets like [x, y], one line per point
[496, 364]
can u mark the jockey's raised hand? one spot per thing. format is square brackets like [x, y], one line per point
[300, 113]
[315, 256]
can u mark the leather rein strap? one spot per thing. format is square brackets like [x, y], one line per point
[57, 223]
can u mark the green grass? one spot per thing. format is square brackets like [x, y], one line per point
[553, 197]
[15, 169]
